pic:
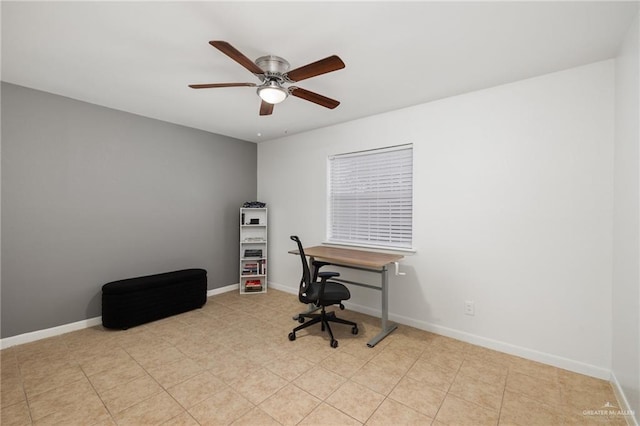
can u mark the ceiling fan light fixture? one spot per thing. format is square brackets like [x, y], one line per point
[272, 93]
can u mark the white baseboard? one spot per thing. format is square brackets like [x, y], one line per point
[623, 403]
[283, 288]
[531, 354]
[225, 289]
[20, 339]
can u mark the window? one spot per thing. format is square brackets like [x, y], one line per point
[371, 198]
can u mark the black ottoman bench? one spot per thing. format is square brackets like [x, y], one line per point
[135, 301]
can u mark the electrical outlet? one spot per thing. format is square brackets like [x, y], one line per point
[469, 307]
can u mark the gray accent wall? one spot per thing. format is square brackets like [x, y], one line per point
[91, 195]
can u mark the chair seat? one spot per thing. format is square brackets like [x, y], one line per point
[334, 293]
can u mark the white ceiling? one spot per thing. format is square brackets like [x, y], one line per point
[140, 56]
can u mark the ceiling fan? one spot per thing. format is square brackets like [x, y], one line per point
[273, 72]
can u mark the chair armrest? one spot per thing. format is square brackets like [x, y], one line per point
[326, 275]
[317, 264]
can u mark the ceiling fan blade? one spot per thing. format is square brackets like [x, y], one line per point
[214, 85]
[313, 97]
[266, 108]
[323, 66]
[235, 54]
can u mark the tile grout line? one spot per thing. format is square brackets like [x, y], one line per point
[504, 392]
[98, 395]
[449, 388]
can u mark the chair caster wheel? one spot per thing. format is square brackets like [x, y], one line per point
[292, 336]
[334, 343]
[301, 320]
[341, 307]
[354, 330]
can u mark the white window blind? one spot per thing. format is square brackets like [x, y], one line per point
[371, 197]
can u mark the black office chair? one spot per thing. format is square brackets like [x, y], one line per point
[322, 294]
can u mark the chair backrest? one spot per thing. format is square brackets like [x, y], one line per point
[305, 281]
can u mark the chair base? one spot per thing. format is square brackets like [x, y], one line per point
[324, 318]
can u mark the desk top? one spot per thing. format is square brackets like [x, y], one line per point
[364, 258]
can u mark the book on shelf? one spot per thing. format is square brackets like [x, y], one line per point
[253, 253]
[256, 288]
[253, 285]
[258, 267]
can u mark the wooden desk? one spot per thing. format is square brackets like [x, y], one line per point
[363, 260]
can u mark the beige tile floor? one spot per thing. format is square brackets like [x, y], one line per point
[231, 363]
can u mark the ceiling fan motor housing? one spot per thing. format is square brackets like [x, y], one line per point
[273, 66]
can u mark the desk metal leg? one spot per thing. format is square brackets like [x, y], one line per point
[387, 326]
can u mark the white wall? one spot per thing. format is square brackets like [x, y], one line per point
[513, 210]
[626, 225]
